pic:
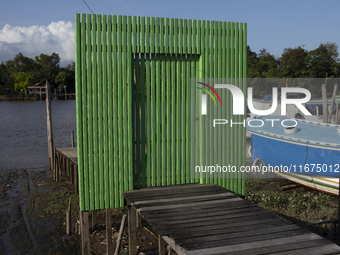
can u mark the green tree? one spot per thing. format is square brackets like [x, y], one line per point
[22, 80]
[293, 62]
[49, 67]
[321, 61]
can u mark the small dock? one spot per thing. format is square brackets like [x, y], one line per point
[197, 219]
[67, 165]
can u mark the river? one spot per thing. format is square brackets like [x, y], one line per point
[23, 134]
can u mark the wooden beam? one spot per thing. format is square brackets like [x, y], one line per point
[120, 234]
[49, 124]
[132, 230]
[85, 233]
[324, 103]
[332, 103]
[161, 245]
[109, 244]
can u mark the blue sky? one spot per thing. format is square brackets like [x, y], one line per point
[43, 26]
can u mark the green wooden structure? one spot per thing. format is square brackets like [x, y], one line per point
[133, 100]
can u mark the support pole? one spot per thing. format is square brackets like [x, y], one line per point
[132, 230]
[94, 219]
[324, 103]
[332, 103]
[49, 124]
[72, 138]
[85, 233]
[161, 245]
[68, 219]
[109, 244]
[120, 234]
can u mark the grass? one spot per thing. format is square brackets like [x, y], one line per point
[301, 209]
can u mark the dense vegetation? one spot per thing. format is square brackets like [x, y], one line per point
[17, 74]
[294, 63]
[22, 71]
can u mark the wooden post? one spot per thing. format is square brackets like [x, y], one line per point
[332, 103]
[85, 233]
[68, 219]
[161, 245]
[76, 178]
[132, 230]
[109, 244]
[94, 219]
[324, 103]
[49, 123]
[138, 220]
[72, 138]
[120, 234]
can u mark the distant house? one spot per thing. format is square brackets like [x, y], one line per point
[38, 88]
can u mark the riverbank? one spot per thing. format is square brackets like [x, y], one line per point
[37, 97]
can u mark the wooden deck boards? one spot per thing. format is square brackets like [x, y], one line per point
[70, 153]
[200, 219]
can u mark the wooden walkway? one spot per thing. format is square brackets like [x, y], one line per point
[200, 219]
[67, 165]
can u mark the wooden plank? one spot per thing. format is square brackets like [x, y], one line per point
[208, 212]
[271, 223]
[137, 197]
[190, 219]
[253, 245]
[169, 200]
[161, 245]
[208, 225]
[201, 209]
[327, 249]
[188, 204]
[85, 233]
[190, 231]
[132, 230]
[170, 187]
[279, 248]
[109, 244]
[207, 238]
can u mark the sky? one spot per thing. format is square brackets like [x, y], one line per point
[44, 26]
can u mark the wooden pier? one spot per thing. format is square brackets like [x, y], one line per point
[197, 219]
[66, 161]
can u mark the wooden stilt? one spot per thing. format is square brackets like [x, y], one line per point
[120, 234]
[72, 138]
[138, 220]
[132, 230]
[161, 245]
[94, 219]
[76, 187]
[68, 219]
[85, 233]
[109, 244]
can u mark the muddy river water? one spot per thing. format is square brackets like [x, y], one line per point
[25, 180]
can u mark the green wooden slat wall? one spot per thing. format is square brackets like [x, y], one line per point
[133, 101]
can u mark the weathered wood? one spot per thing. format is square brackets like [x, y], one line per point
[332, 103]
[212, 223]
[68, 219]
[151, 208]
[324, 103]
[49, 124]
[279, 248]
[120, 234]
[138, 220]
[76, 187]
[328, 249]
[161, 245]
[132, 230]
[181, 199]
[72, 138]
[94, 220]
[85, 233]
[109, 244]
[252, 245]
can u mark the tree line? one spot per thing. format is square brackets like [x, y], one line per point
[20, 72]
[295, 63]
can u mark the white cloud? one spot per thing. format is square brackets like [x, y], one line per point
[32, 41]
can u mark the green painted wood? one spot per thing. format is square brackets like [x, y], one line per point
[133, 102]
